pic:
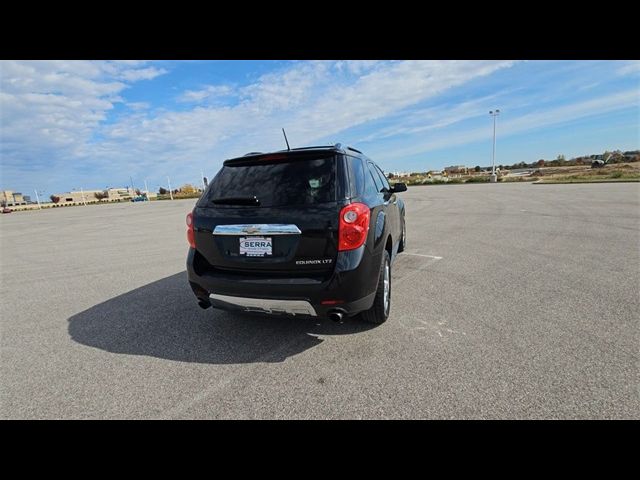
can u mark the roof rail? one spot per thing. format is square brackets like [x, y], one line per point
[338, 146]
[252, 153]
[353, 149]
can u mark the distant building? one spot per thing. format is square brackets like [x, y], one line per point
[115, 194]
[457, 169]
[9, 199]
[87, 196]
[112, 195]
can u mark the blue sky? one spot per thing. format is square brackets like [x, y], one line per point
[71, 124]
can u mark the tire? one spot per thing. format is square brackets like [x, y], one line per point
[403, 240]
[379, 311]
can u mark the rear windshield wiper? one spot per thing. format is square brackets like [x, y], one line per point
[236, 200]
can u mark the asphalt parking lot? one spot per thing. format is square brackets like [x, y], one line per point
[513, 301]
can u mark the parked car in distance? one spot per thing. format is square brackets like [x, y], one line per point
[6, 210]
[308, 231]
[140, 198]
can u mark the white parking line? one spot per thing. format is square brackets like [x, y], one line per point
[422, 255]
[421, 265]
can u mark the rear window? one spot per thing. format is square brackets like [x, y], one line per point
[274, 184]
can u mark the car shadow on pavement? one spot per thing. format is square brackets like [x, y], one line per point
[163, 320]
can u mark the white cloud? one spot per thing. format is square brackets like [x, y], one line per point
[53, 113]
[357, 67]
[287, 89]
[138, 105]
[50, 110]
[208, 92]
[308, 99]
[432, 118]
[387, 90]
[629, 68]
[135, 75]
[510, 126]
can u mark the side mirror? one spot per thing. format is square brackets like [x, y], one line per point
[399, 187]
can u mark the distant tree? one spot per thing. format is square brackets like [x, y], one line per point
[101, 195]
[390, 175]
[561, 158]
[540, 163]
[617, 157]
[54, 198]
[188, 188]
[163, 191]
[501, 167]
[477, 168]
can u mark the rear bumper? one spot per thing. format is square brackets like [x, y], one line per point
[263, 305]
[349, 292]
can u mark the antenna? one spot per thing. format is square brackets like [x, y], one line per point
[285, 139]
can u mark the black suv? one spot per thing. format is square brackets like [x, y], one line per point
[307, 231]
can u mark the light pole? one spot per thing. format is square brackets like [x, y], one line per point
[170, 192]
[494, 178]
[38, 200]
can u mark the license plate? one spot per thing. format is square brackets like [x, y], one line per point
[256, 246]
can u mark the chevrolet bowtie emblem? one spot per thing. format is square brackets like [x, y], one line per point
[250, 230]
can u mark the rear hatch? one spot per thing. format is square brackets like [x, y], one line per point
[272, 214]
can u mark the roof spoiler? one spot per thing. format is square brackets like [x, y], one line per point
[284, 156]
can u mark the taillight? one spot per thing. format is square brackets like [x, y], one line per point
[190, 235]
[354, 226]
